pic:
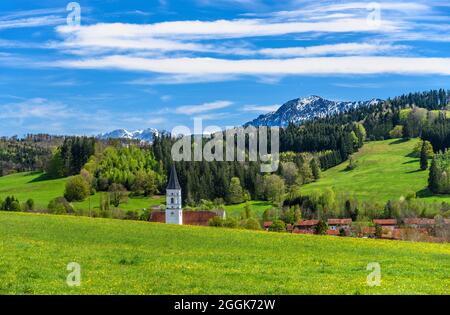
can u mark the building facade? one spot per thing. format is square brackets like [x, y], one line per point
[174, 211]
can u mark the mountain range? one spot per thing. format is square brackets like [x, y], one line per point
[145, 135]
[296, 111]
[302, 109]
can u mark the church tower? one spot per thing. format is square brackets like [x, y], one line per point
[174, 213]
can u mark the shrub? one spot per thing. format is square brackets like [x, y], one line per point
[145, 215]
[278, 226]
[352, 164]
[118, 194]
[216, 221]
[378, 230]
[230, 223]
[251, 224]
[321, 228]
[227, 223]
[56, 207]
[77, 189]
[131, 215]
[11, 203]
[29, 205]
[397, 132]
[60, 205]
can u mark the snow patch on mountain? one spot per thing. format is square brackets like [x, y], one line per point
[302, 109]
[145, 135]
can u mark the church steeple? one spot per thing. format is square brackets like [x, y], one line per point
[173, 180]
[174, 212]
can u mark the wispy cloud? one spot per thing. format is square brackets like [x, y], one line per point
[203, 108]
[335, 49]
[44, 115]
[35, 108]
[31, 22]
[174, 79]
[293, 66]
[260, 108]
[33, 18]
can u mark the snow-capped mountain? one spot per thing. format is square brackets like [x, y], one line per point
[302, 109]
[146, 135]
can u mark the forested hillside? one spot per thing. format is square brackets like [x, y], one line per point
[121, 168]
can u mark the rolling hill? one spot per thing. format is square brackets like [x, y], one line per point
[127, 257]
[33, 185]
[385, 171]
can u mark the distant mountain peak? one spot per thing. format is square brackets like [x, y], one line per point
[306, 108]
[144, 135]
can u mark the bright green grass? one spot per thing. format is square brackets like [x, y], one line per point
[30, 185]
[256, 206]
[385, 171]
[129, 257]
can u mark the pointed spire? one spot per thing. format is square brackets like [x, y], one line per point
[173, 180]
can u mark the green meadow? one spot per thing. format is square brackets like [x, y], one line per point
[41, 190]
[385, 171]
[32, 185]
[131, 257]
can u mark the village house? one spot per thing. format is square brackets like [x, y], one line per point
[388, 226]
[336, 225]
[267, 225]
[305, 227]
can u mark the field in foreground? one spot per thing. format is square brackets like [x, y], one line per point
[385, 171]
[125, 257]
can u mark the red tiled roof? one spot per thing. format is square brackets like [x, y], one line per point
[307, 222]
[332, 232]
[296, 231]
[339, 221]
[385, 221]
[189, 217]
[419, 221]
[267, 224]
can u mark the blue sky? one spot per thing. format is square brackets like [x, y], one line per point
[160, 63]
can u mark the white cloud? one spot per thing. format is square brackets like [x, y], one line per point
[293, 66]
[31, 22]
[166, 98]
[43, 115]
[219, 29]
[206, 107]
[261, 108]
[174, 79]
[35, 108]
[335, 49]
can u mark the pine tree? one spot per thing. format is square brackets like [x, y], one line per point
[433, 179]
[423, 157]
[315, 168]
[236, 193]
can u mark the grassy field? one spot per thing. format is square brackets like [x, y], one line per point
[385, 171]
[256, 206]
[30, 185]
[129, 257]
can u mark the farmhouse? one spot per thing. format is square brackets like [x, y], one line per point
[336, 225]
[174, 213]
[305, 226]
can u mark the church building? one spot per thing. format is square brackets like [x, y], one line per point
[174, 213]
